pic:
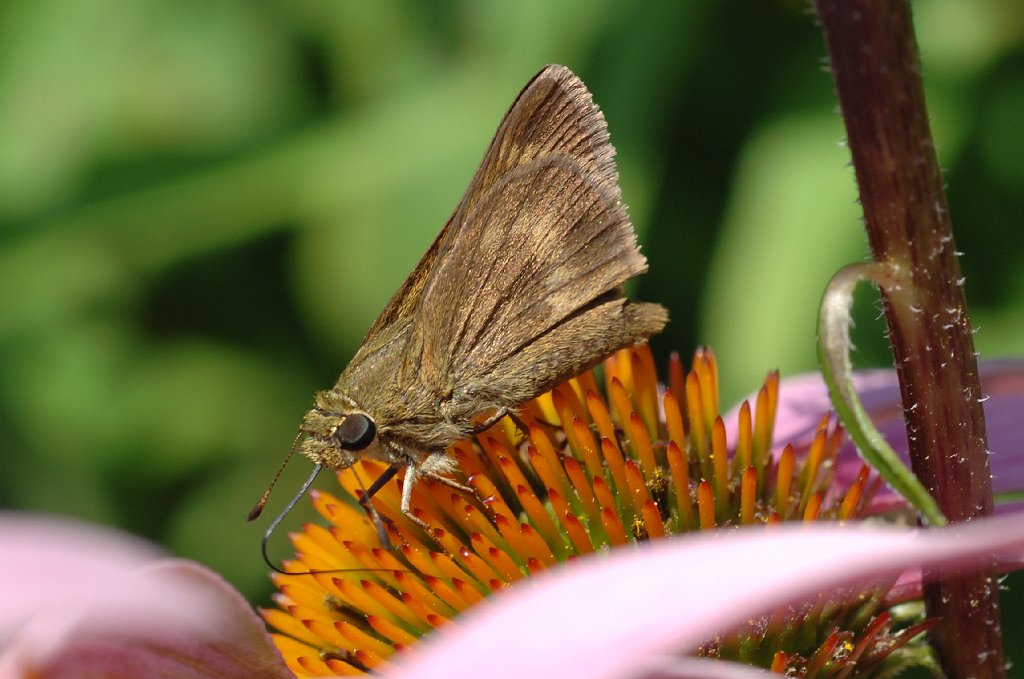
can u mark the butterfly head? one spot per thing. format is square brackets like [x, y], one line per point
[337, 436]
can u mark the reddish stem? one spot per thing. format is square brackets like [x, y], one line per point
[877, 73]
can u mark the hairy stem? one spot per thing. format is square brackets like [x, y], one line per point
[877, 73]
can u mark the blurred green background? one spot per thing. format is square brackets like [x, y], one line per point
[203, 205]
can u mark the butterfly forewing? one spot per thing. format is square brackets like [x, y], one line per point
[521, 290]
[554, 114]
[541, 246]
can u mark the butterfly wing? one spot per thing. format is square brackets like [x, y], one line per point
[529, 293]
[526, 289]
[554, 114]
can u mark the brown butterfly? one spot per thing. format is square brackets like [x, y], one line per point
[521, 290]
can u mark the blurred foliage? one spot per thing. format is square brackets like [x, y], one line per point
[203, 205]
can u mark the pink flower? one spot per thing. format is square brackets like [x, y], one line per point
[82, 602]
[627, 614]
[803, 398]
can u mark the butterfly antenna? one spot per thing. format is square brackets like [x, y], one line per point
[258, 507]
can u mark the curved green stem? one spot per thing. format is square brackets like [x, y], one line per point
[834, 355]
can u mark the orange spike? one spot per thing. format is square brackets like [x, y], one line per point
[310, 665]
[813, 507]
[572, 399]
[534, 567]
[566, 416]
[546, 452]
[809, 474]
[469, 460]
[771, 384]
[420, 562]
[583, 490]
[478, 522]
[511, 471]
[613, 527]
[390, 630]
[340, 668]
[850, 502]
[748, 496]
[513, 536]
[488, 493]
[604, 495]
[559, 505]
[820, 660]
[652, 520]
[446, 564]
[392, 603]
[706, 505]
[548, 476]
[577, 533]
[362, 641]
[446, 593]
[677, 382]
[720, 463]
[292, 649]
[698, 433]
[612, 372]
[620, 401]
[481, 570]
[419, 592]
[681, 484]
[705, 368]
[467, 591]
[315, 542]
[538, 548]
[341, 513]
[371, 659]
[586, 447]
[783, 480]
[325, 629]
[744, 438]
[587, 383]
[712, 368]
[420, 609]
[645, 388]
[642, 444]
[504, 568]
[539, 517]
[624, 368]
[636, 486]
[284, 622]
[617, 468]
[763, 424]
[536, 411]
[493, 449]
[674, 419]
[602, 418]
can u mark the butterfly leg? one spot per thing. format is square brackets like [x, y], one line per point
[435, 466]
[411, 472]
[365, 501]
[497, 417]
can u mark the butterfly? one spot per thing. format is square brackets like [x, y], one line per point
[521, 290]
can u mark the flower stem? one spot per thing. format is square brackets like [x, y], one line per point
[878, 79]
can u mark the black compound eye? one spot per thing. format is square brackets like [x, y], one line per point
[356, 432]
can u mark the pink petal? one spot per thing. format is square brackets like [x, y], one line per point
[91, 603]
[603, 617]
[803, 399]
